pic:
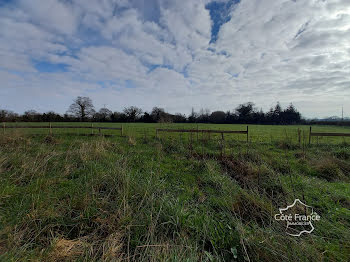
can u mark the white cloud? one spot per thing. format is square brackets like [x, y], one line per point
[159, 53]
[60, 16]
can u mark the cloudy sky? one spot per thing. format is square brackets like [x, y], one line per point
[176, 54]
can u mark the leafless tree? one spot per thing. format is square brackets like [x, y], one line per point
[82, 108]
[31, 115]
[132, 113]
[204, 115]
[6, 115]
[104, 114]
[157, 114]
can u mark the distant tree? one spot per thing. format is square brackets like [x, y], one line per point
[179, 118]
[82, 108]
[259, 117]
[245, 112]
[103, 115]
[132, 113]
[118, 117]
[290, 115]
[160, 116]
[277, 114]
[203, 116]
[269, 116]
[3, 115]
[157, 114]
[8, 116]
[146, 118]
[67, 117]
[31, 116]
[12, 116]
[231, 117]
[193, 116]
[218, 117]
[51, 117]
[167, 118]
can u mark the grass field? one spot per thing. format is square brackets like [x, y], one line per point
[257, 133]
[139, 198]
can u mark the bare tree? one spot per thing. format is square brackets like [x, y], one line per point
[31, 115]
[132, 113]
[204, 115]
[82, 108]
[104, 114]
[6, 115]
[193, 116]
[157, 114]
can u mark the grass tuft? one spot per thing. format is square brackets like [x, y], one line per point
[328, 169]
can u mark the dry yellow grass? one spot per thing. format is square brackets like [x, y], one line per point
[67, 250]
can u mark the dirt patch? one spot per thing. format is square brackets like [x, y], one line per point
[241, 171]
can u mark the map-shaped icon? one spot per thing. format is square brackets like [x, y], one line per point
[299, 217]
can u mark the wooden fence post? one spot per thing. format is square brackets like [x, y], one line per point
[50, 129]
[191, 147]
[92, 129]
[222, 145]
[299, 136]
[197, 133]
[3, 127]
[121, 131]
[99, 131]
[156, 132]
[221, 149]
[310, 136]
[247, 134]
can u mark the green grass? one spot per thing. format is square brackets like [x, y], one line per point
[257, 133]
[138, 198]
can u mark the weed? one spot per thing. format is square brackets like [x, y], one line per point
[131, 141]
[249, 208]
[51, 140]
[343, 154]
[328, 169]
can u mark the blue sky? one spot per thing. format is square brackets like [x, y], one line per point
[220, 13]
[175, 54]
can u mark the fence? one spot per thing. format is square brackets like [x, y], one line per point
[317, 134]
[159, 130]
[50, 127]
[222, 132]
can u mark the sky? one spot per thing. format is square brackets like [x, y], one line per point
[176, 54]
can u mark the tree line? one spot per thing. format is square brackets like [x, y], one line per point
[82, 109]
